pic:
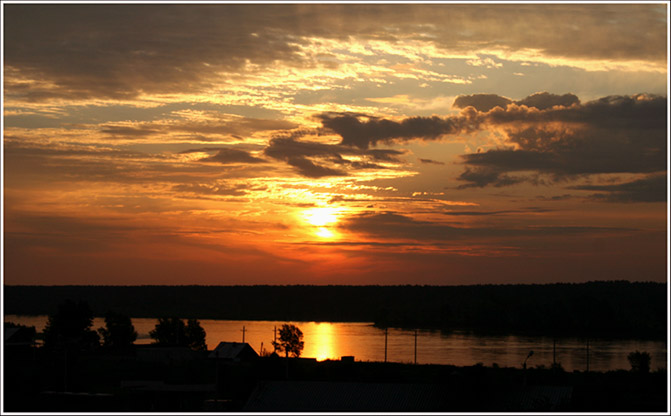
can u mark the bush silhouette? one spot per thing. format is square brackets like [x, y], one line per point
[640, 362]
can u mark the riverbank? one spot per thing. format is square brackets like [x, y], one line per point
[38, 381]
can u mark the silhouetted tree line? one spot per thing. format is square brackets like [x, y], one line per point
[70, 327]
[173, 332]
[614, 308]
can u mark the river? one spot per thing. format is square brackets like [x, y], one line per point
[332, 340]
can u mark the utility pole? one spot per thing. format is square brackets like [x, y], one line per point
[216, 383]
[415, 346]
[65, 372]
[243, 334]
[524, 368]
[587, 356]
[385, 345]
[554, 352]
[274, 338]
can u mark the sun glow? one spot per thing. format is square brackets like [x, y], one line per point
[320, 217]
[325, 233]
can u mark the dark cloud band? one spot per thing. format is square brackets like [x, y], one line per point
[122, 50]
[617, 134]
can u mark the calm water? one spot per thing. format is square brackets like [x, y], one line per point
[366, 343]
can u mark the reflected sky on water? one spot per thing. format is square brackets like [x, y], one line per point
[329, 340]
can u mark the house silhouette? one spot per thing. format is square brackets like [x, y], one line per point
[234, 351]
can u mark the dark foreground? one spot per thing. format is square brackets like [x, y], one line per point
[180, 380]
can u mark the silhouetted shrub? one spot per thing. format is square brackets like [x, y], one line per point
[640, 362]
[557, 367]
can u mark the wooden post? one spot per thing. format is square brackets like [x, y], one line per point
[587, 370]
[65, 371]
[385, 345]
[554, 352]
[216, 383]
[415, 346]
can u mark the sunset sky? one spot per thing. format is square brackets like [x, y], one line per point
[335, 143]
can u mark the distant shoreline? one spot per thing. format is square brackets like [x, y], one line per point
[615, 309]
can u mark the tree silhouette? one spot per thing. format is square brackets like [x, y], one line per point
[70, 327]
[169, 331]
[195, 335]
[640, 362]
[173, 331]
[118, 333]
[290, 341]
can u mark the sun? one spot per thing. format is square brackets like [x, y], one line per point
[325, 233]
[321, 219]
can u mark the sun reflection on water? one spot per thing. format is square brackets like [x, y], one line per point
[324, 342]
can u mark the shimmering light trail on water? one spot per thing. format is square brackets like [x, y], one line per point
[332, 340]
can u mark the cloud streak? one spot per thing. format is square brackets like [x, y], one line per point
[649, 189]
[302, 155]
[227, 156]
[392, 225]
[364, 132]
[208, 126]
[540, 101]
